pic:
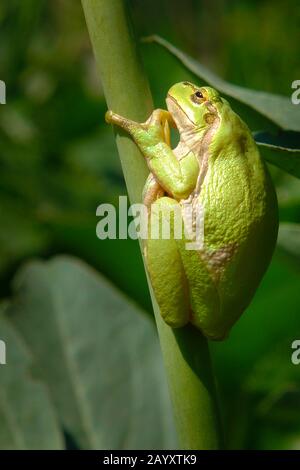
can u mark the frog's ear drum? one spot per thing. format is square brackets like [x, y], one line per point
[209, 118]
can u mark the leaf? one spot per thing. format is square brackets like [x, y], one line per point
[278, 388]
[282, 150]
[284, 158]
[289, 238]
[97, 352]
[278, 109]
[287, 140]
[272, 315]
[274, 387]
[27, 419]
[273, 382]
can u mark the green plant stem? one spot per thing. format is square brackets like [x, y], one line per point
[186, 354]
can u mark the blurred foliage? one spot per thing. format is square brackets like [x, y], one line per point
[93, 364]
[58, 162]
[27, 416]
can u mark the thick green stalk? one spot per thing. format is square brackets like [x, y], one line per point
[185, 351]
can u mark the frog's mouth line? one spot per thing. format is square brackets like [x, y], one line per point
[174, 113]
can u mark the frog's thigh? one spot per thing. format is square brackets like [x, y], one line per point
[166, 272]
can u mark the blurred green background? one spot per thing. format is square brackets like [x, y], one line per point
[58, 162]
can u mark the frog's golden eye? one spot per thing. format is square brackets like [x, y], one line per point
[198, 97]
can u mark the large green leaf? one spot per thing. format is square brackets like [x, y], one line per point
[98, 353]
[27, 418]
[276, 108]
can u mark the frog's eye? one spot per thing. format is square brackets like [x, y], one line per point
[197, 97]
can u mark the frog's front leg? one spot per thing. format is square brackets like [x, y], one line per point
[162, 120]
[177, 177]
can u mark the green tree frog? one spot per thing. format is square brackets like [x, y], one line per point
[216, 166]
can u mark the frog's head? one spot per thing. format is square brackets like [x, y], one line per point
[194, 107]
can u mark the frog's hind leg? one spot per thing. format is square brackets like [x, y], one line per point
[205, 304]
[166, 269]
[183, 286]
